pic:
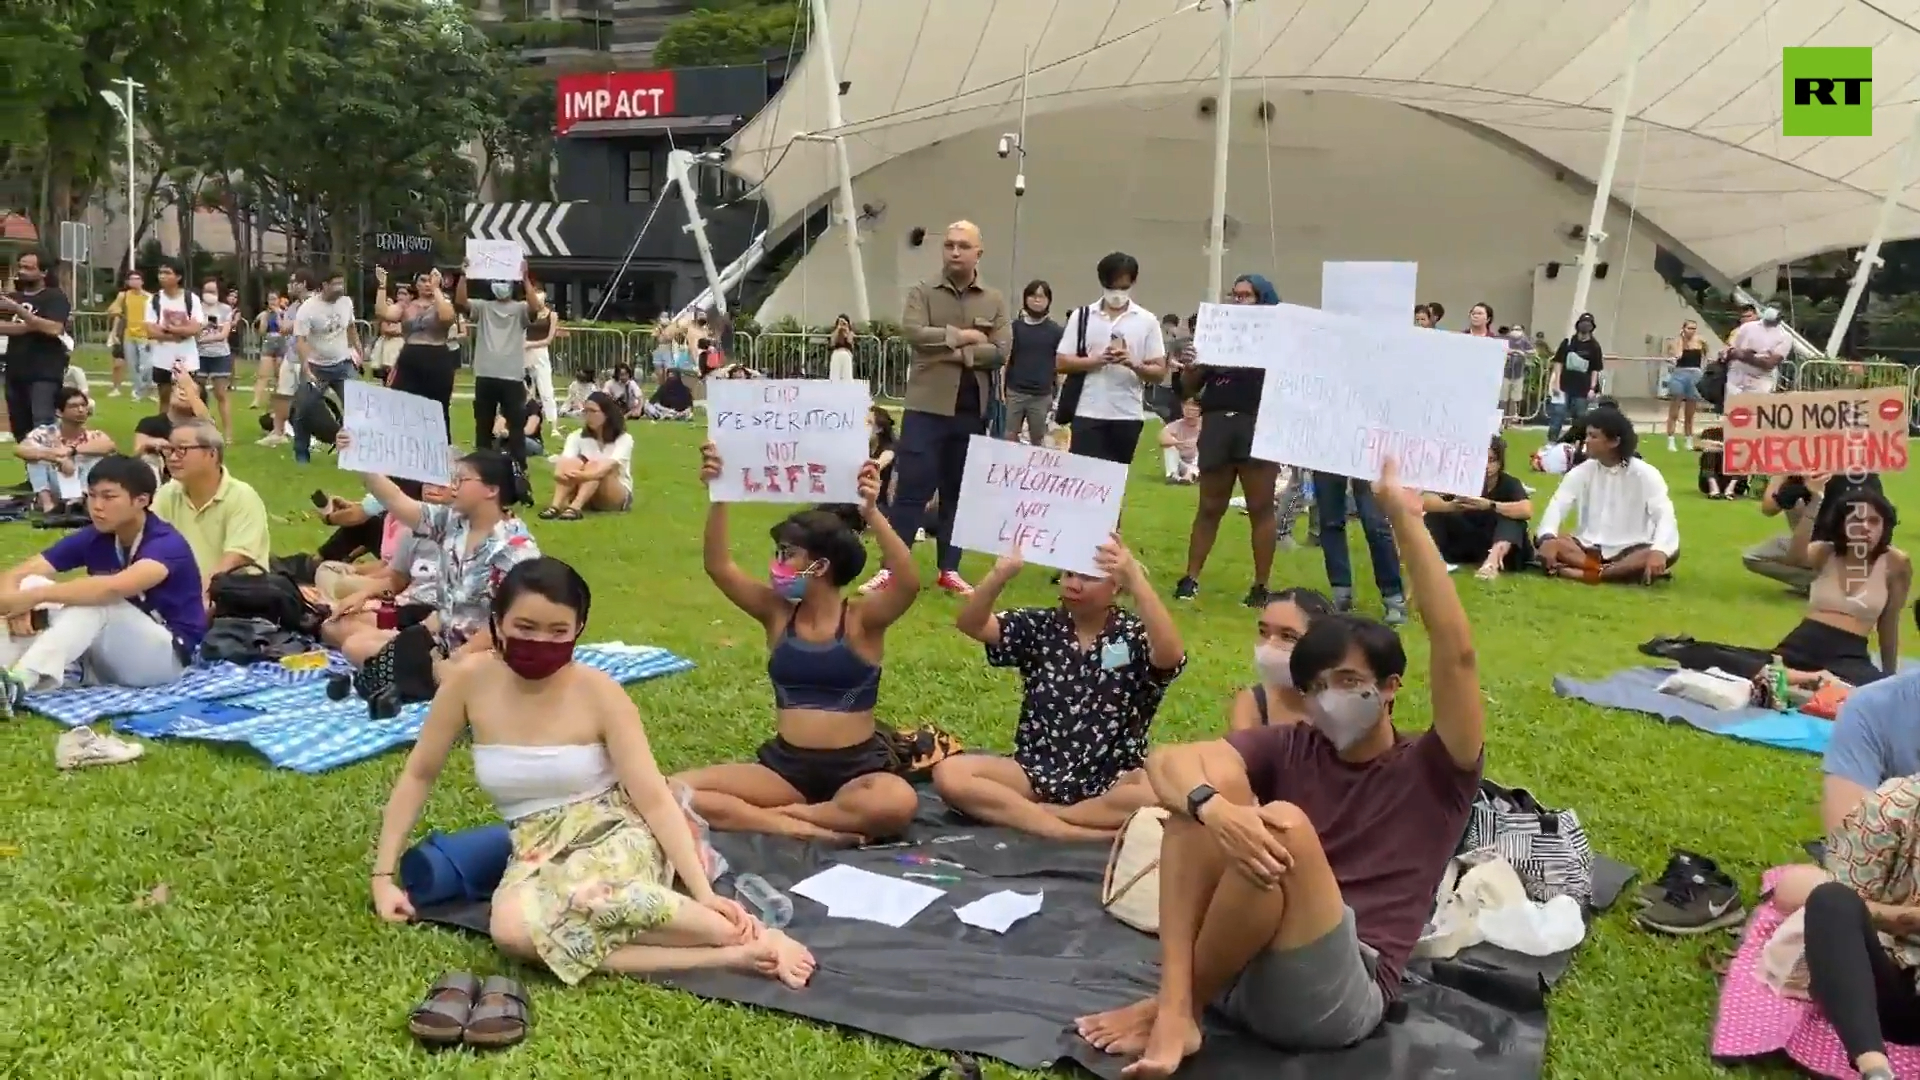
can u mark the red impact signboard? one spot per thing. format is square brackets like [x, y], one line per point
[614, 95]
[1818, 431]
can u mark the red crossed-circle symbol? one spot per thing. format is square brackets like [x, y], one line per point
[1891, 410]
[1740, 417]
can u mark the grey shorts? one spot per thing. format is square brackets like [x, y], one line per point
[1032, 409]
[1320, 996]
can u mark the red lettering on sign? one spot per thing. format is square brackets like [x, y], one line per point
[614, 95]
[1817, 452]
[1019, 536]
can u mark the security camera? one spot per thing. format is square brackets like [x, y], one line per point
[1020, 183]
[1006, 146]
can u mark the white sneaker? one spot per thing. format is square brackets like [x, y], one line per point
[1671, 447]
[80, 747]
[271, 439]
[115, 392]
[1689, 444]
[877, 582]
[6, 436]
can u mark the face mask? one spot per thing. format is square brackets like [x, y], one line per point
[790, 586]
[1770, 316]
[533, 659]
[1115, 298]
[1274, 665]
[1345, 716]
[501, 290]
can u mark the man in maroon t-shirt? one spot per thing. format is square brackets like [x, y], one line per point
[1300, 861]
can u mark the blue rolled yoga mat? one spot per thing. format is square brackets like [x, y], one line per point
[451, 867]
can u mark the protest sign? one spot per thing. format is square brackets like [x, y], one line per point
[394, 434]
[1816, 431]
[1233, 335]
[1380, 291]
[1343, 393]
[1052, 508]
[788, 440]
[495, 260]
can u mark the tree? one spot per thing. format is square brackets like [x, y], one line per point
[728, 33]
[519, 141]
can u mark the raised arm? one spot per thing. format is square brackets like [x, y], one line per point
[1454, 670]
[756, 598]
[1165, 651]
[1802, 548]
[404, 508]
[446, 720]
[884, 608]
[1899, 583]
[536, 307]
[460, 302]
[977, 619]
[384, 309]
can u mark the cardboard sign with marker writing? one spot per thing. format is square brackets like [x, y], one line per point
[1054, 509]
[1817, 431]
[788, 440]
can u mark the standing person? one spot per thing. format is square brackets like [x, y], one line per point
[1229, 402]
[840, 350]
[216, 351]
[499, 356]
[1330, 494]
[326, 346]
[541, 330]
[1513, 381]
[34, 321]
[286, 376]
[1570, 376]
[1116, 345]
[957, 327]
[271, 325]
[387, 340]
[174, 321]
[1435, 312]
[1480, 320]
[128, 313]
[1688, 351]
[1030, 365]
[1754, 356]
[425, 365]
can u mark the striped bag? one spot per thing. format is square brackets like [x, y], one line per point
[1548, 848]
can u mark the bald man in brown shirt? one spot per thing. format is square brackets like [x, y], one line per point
[960, 335]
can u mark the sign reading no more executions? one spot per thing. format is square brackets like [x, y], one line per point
[1819, 431]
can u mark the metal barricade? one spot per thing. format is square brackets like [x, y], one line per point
[1845, 375]
[91, 328]
[790, 356]
[596, 348]
[894, 368]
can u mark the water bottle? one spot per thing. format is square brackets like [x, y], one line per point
[1781, 700]
[768, 903]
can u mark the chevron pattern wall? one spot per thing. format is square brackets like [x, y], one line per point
[536, 225]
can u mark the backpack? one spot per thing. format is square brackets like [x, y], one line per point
[1712, 386]
[260, 594]
[1548, 848]
[1069, 401]
[317, 412]
[251, 641]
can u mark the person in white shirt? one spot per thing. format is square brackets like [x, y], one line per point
[1115, 348]
[1626, 529]
[595, 470]
[1756, 353]
[174, 321]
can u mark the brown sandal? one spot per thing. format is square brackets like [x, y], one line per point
[500, 1016]
[441, 1017]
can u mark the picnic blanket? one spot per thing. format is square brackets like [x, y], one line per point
[286, 715]
[1636, 690]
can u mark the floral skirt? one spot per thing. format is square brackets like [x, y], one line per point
[590, 878]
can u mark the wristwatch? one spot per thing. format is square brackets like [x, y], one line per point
[1198, 798]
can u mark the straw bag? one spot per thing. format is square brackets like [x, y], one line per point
[1130, 891]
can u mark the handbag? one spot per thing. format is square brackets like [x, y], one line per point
[1130, 888]
[1712, 386]
[1068, 403]
[1548, 848]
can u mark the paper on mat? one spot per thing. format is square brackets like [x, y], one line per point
[999, 911]
[72, 488]
[495, 260]
[849, 892]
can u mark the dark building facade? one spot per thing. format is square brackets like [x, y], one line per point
[613, 132]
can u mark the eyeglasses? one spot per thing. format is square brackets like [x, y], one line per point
[176, 450]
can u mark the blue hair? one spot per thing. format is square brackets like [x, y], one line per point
[1263, 289]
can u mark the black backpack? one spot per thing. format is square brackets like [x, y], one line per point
[1068, 403]
[262, 594]
[1712, 386]
[318, 412]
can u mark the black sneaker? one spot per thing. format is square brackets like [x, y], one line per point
[1256, 597]
[1680, 868]
[1187, 589]
[1703, 902]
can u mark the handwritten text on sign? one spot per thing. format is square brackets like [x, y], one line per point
[1052, 508]
[1816, 431]
[395, 434]
[788, 440]
[1342, 394]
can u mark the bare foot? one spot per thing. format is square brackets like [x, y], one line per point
[794, 963]
[1487, 571]
[1175, 1038]
[760, 956]
[1121, 1031]
[805, 830]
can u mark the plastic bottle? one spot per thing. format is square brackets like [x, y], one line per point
[1780, 699]
[770, 904]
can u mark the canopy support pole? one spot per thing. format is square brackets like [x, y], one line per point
[1603, 186]
[849, 210]
[1222, 129]
[1870, 258]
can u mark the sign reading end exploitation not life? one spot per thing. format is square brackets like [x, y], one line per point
[1051, 509]
[1816, 431]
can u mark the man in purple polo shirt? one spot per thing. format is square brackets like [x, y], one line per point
[133, 620]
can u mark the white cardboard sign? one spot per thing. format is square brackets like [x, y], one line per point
[395, 434]
[495, 260]
[1380, 291]
[1054, 509]
[788, 440]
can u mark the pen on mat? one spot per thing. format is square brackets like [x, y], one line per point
[944, 878]
[927, 860]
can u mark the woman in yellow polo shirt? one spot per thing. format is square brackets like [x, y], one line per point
[129, 329]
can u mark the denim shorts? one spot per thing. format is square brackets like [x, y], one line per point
[1683, 384]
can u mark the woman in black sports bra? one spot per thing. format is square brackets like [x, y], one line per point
[1273, 699]
[1688, 352]
[828, 774]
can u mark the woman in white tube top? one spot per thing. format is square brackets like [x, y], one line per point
[606, 873]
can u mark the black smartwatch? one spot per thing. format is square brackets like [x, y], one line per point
[1198, 798]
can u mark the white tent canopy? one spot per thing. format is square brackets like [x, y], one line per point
[1713, 171]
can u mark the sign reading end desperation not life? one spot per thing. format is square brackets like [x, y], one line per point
[1816, 431]
[395, 434]
[1053, 509]
[788, 440]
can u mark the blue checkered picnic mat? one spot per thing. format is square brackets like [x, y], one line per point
[77, 705]
[298, 727]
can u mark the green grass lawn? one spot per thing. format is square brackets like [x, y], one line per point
[265, 960]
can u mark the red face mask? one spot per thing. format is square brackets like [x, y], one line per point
[533, 659]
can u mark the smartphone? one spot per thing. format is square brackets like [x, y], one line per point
[319, 499]
[39, 619]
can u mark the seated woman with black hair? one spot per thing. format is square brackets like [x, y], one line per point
[828, 774]
[1488, 530]
[1274, 699]
[595, 470]
[1626, 527]
[1714, 483]
[606, 874]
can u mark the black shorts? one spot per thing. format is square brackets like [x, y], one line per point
[1226, 438]
[1108, 440]
[818, 775]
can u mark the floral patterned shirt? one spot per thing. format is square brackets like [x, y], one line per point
[467, 580]
[1085, 712]
[1876, 853]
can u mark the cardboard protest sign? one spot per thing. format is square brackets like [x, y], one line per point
[1380, 291]
[395, 434]
[1054, 509]
[495, 260]
[1816, 431]
[788, 440]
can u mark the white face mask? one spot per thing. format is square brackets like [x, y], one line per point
[1275, 665]
[1115, 299]
[1346, 716]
